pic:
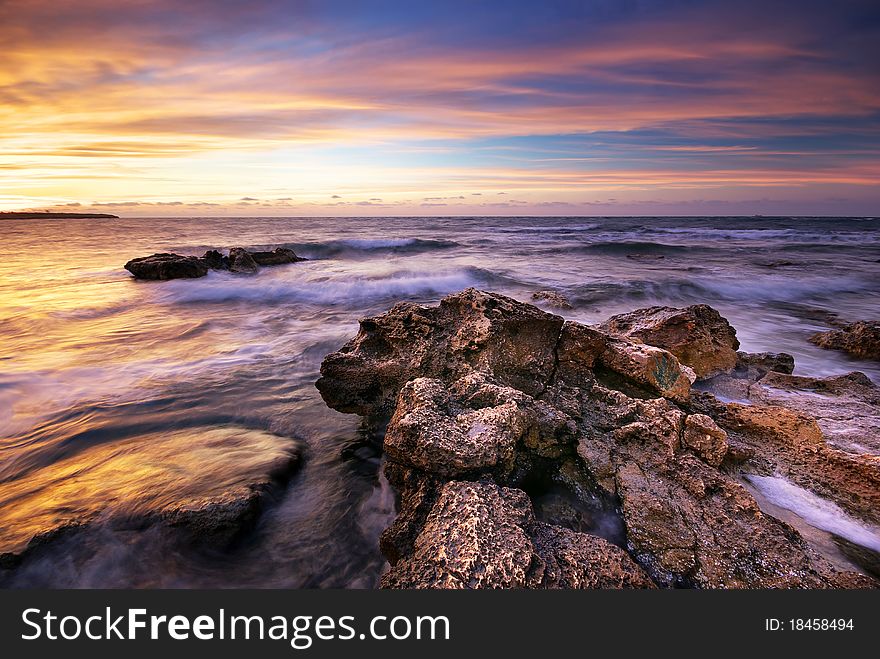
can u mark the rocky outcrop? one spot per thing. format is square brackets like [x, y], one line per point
[491, 403]
[167, 266]
[698, 335]
[860, 339]
[239, 260]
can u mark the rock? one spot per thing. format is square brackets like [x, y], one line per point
[791, 444]
[471, 427]
[846, 407]
[215, 260]
[209, 482]
[241, 261]
[860, 339]
[484, 388]
[167, 266]
[688, 523]
[279, 256]
[480, 535]
[654, 368]
[552, 299]
[469, 331]
[704, 436]
[761, 363]
[697, 335]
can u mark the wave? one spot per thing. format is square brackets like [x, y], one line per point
[364, 246]
[320, 288]
[766, 289]
[627, 247]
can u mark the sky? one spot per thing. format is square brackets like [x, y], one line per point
[272, 107]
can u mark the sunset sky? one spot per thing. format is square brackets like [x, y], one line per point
[198, 107]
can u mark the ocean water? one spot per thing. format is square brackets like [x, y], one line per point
[114, 386]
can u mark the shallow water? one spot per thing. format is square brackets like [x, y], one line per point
[92, 361]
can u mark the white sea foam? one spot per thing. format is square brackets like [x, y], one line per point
[329, 290]
[816, 511]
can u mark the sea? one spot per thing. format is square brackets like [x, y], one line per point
[118, 396]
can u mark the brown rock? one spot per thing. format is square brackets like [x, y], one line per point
[792, 444]
[860, 339]
[704, 436]
[471, 427]
[758, 364]
[484, 387]
[479, 535]
[469, 331]
[698, 335]
[651, 367]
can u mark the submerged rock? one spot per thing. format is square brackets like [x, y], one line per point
[487, 400]
[210, 483]
[167, 266]
[860, 339]
[553, 299]
[698, 335]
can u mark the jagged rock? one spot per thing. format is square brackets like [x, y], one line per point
[846, 407]
[687, 522]
[552, 299]
[167, 266]
[469, 331]
[860, 339]
[484, 387]
[279, 256]
[470, 427]
[480, 535]
[241, 261]
[698, 335]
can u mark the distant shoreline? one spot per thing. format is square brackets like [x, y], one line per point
[55, 216]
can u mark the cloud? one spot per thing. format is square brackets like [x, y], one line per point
[193, 99]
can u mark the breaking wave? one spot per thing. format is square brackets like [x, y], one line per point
[337, 289]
